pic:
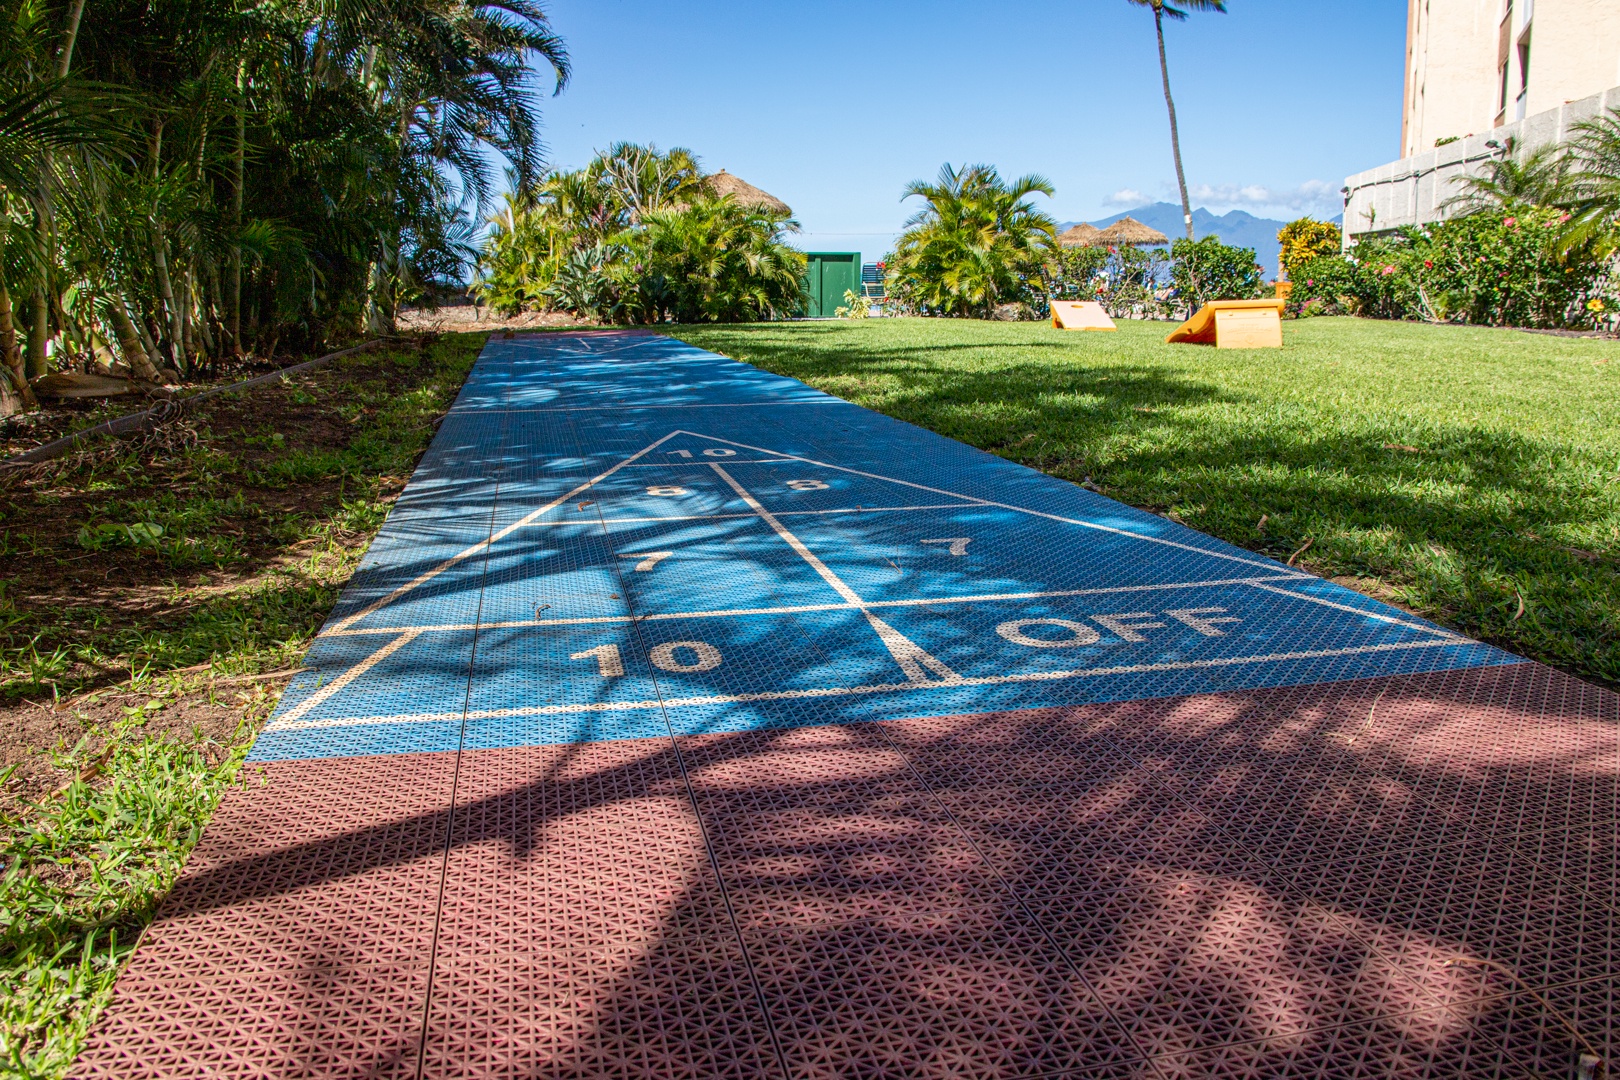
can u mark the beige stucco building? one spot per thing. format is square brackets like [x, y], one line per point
[1477, 73]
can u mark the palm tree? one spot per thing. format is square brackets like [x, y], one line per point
[1162, 11]
[976, 243]
[1536, 178]
[1594, 181]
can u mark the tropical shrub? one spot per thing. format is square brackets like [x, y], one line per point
[716, 261]
[1305, 239]
[635, 236]
[1205, 270]
[183, 182]
[855, 306]
[977, 244]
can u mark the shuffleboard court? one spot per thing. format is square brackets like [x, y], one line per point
[684, 720]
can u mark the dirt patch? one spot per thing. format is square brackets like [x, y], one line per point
[465, 318]
[167, 583]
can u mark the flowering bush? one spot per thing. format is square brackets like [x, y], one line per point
[1502, 268]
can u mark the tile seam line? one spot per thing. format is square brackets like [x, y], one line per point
[1287, 886]
[455, 791]
[1016, 895]
[755, 984]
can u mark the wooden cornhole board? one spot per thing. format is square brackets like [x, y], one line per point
[1080, 315]
[1234, 324]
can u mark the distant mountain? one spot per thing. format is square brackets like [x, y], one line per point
[1236, 227]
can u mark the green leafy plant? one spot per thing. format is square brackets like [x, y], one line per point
[855, 306]
[1205, 270]
[111, 534]
[1304, 239]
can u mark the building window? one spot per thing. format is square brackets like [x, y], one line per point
[1524, 79]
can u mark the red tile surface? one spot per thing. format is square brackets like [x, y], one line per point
[1408, 877]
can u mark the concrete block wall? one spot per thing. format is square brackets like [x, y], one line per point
[1414, 190]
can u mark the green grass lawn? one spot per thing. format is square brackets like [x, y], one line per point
[1455, 471]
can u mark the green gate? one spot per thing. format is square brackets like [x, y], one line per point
[828, 274]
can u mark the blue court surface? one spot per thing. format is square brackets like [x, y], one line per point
[618, 535]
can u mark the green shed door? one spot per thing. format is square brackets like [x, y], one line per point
[828, 274]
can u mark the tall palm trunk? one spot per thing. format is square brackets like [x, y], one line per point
[39, 332]
[10, 353]
[238, 156]
[129, 340]
[1175, 137]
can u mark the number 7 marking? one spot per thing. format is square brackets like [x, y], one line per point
[958, 543]
[649, 559]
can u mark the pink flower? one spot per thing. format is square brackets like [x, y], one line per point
[1386, 271]
[1510, 222]
[1310, 281]
[1563, 218]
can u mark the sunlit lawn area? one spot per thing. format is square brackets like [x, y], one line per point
[1455, 471]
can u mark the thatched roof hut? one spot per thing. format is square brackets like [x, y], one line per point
[743, 193]
[1081, 235]
[1127, 230]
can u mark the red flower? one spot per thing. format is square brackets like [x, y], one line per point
[1428, 264]
[1386, 271]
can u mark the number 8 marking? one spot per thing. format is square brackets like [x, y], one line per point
[807, 485]
[666, 489]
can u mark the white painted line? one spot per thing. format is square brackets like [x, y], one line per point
[348, 677]
[282, 724]
[913, 659]
[1004, 506]
[789, 609]
[424, 578]
[1359, 611]
[779, 513]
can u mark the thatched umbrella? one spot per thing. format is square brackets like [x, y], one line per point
[1081, 235]
[1127, 230]
[743, 193]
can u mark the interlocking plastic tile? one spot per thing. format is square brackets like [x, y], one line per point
[683, 720]
[298, 939]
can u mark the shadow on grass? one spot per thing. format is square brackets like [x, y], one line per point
[1461, 521]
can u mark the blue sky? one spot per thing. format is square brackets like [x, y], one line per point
[833, 107]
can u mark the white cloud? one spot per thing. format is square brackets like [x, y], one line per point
[1127, 197]
[1311, 195]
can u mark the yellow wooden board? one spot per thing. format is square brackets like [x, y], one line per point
[1080, 315]
[1234, 324]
